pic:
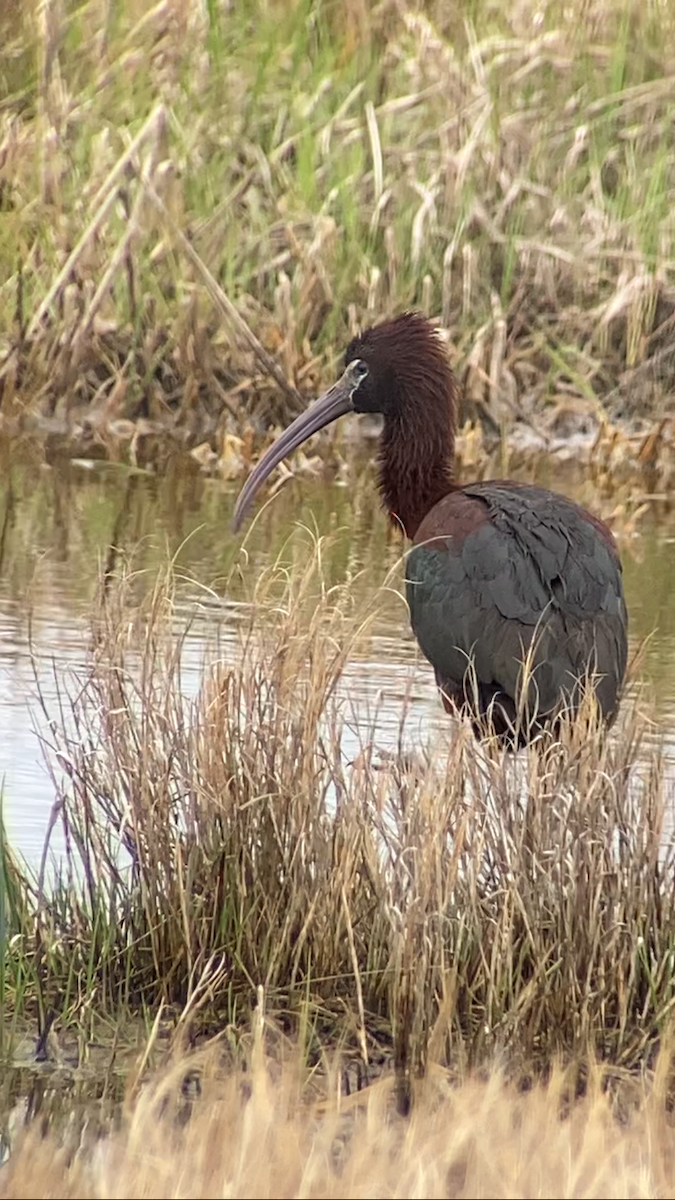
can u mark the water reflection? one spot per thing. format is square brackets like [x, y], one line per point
[58, 525]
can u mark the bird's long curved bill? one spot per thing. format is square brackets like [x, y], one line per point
[332, 404]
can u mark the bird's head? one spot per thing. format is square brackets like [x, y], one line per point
[407, 367]
[398, 369]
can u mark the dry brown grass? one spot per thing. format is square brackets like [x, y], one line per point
[270, 1130]
[508, 170]
[438, 904]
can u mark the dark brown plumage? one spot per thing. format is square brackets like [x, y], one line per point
[499, 572]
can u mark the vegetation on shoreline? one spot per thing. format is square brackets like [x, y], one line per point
[435, 903]
[86, 983]
[176, 179]
[270, 1128]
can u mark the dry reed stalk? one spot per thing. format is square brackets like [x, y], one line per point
[494, 905]
[223, 302]
[102, 203]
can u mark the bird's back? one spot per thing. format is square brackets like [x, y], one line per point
[499, 569]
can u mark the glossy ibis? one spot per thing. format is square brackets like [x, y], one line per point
[500, 573]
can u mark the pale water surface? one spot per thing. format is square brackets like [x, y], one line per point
[56, 528]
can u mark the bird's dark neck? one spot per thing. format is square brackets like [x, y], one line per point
[417, 458]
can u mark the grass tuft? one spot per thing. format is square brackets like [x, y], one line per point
[443, 902]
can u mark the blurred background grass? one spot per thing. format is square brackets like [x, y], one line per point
[508, 170]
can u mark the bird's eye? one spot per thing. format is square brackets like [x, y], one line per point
[359, 369]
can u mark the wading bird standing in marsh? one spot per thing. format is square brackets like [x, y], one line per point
[501, 574]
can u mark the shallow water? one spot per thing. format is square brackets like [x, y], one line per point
[57, 525]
